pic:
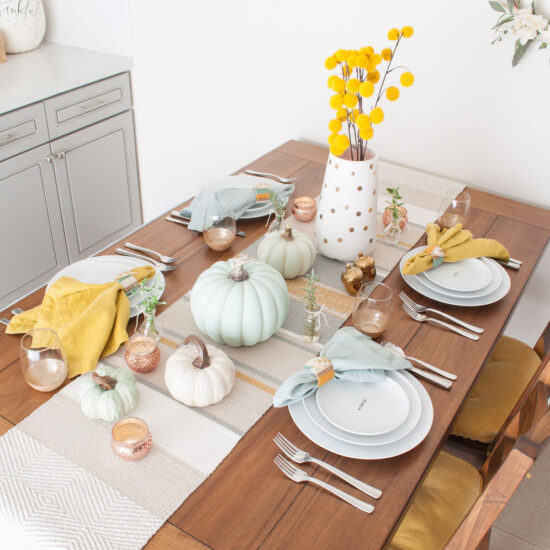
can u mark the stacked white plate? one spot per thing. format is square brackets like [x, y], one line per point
[366, 420]
[471, 282]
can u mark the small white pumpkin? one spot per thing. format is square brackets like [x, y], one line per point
[290, 252]
[198, 375]
[108, 393]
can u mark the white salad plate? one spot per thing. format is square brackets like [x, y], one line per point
[367, 452]
[464, 276]
[103, 269]
[364, 408]
[440, 296]
[310, 405]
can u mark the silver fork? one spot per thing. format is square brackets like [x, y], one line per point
[5, 321]
[16, 311]
[164, 259]
[297, 455]
[158, 265]
[182, 220]
[295, 474]
[420, 308]
[272, 176]
[422, 318]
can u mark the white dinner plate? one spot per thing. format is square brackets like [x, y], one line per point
[251, 214]
[364, 408]
[415, 283]
[365, 452]
[310, 405]
[464, 276]
[103, 269]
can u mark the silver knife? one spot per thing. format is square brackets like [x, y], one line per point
[185, 221]
[434, 378]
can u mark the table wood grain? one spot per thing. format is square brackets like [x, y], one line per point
[247, 502]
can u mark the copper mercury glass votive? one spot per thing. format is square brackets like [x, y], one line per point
[131, 438]
[304, 209]
[142, 353]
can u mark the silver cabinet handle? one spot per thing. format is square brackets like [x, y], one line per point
[92, 105]
[8, 137]
[48, 159]
[60, 155]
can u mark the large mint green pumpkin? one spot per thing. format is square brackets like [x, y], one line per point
[239, 305]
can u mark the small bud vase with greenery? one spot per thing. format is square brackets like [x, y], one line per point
[364, 79]
[311, 327]
[395, 216]
[279, 209]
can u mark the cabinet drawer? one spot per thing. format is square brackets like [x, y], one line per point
[84, 106]
[22, 130]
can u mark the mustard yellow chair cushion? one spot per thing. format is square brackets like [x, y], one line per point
[500, 384]
[446, 496]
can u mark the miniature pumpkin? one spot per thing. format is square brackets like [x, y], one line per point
[108, 393]
[198, 375]
[290, 252]
[239, 304]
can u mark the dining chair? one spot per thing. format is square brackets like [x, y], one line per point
[508, 376]
[456, 504]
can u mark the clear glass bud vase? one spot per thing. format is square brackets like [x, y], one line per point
[311, 326]
[142, 351]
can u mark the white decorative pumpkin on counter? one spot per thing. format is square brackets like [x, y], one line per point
[198, 375]
[239, 304]
[290, 252]
[108, 393]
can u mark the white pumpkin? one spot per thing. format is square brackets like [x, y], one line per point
[198, 375]
[290, 252]
[108, 393]
[239, 304]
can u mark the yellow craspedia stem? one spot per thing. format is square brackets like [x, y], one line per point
[330, 63]
[367, 50]
[393, 34]
[407, 32]
[386, 54]
[366, 89]
[341, 55]
[338, 84]
[350, 101]
[392, 93]
[373, 77]
[341, 142]
[366, 133]
[353, 85]
[376, 59]
[352, 60]
[342, 114]
[332, 138]
[354, 114]
[406, 79]
[334, 125]
[362, 121]
[336, 101]
[362, 61]
[377, 115]
[335, 151]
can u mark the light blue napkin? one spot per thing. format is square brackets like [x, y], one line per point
[353, 355]
[236, 199]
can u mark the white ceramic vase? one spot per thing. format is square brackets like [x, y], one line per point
[22, 24]
[346, 216]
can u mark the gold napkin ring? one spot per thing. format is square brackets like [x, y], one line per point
[437, 254]
[127, 280]
[322, 368]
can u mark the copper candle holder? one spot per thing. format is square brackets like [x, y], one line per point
[142, 353]
[131, 438]
[304, 209]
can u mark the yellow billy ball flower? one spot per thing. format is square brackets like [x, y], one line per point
[366, 133]
[407, 31]
[393, 34]
[367, 50]
[338, 84]
[346, 70]
[386, 54]
[366, 89]
[373, 77]
[330, 63]
[353, 85]
[336, 101]
[332, 138]
[342, 114]
[352, 60]
[376, 59]
[350, 101]
[407, 79]
[341, 142]
[334, 125]
[377, 115]
[362, 61]
[335, 151]
[362, 121]
[354, 114]
[341, 55]
[392, 93]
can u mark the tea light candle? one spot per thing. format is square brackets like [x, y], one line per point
[131, 438]
[142, 353]
[304, 209]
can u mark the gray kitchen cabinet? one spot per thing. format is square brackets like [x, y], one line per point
[97, 181]
[32, 247]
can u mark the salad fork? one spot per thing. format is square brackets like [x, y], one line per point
[423, 318]
[299, 476]
[158, 265]
[164, 259]
[299, 456]
[272, 176]
[420, 309]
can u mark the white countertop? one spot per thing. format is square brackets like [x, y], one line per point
[52, 69]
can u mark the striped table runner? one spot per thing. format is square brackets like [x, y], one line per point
[61, 486]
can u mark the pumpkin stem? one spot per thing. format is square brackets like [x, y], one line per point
[238, 273]
[106, 382]
[202, 360]
[287, 235]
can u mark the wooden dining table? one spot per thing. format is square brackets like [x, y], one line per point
[247, 502]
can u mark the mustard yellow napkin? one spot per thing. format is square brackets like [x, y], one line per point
[452, 245]
[89, 319]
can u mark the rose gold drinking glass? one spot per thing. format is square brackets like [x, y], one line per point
[219, 229]
[142, 353]
[131, 438]
[43, 360]
[372, 309]
[454, 209]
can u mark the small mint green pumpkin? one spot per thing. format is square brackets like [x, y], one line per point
[108, 393]
[290, 252]
[239, 305]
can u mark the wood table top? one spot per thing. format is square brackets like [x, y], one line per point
[247, 502]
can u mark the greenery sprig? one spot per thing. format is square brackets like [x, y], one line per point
[395, 202]
[310, 298]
